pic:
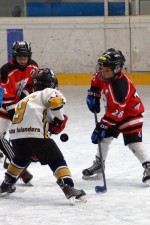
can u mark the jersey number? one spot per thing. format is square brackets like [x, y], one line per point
[19, 112]
[117, 113]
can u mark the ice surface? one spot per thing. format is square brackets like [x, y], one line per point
[127, 201]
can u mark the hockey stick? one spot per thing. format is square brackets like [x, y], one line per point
[1, 154]
[5, 164]
[23, 171]
[101, 189]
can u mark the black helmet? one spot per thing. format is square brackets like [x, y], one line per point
[21, 48]
[44, 78]
[112, 58]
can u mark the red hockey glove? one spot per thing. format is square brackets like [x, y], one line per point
[57, 125]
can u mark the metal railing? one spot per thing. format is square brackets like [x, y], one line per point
[19, 7]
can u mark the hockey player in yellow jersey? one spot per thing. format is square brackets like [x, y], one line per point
[36, 116]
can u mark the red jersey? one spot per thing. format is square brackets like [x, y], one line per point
[124, 108]
[15, 81]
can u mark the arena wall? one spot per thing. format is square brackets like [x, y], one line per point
[72, 45]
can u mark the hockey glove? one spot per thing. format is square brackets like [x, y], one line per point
[98, 133]
[1, 96]
[93, 101]
[57, 125]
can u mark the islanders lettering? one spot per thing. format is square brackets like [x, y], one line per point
[24, 129]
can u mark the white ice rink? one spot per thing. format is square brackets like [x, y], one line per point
[127, 201]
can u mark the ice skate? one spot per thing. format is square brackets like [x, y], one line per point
[75, 196]
[146, 174]
[27, 177]
[94, 172]
[7, 186]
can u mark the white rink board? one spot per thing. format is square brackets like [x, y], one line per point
[73, 44]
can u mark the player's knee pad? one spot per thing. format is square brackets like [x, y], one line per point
[14, 170]
[62, 172]
[139, 151]
[16, 167]
[60, 169]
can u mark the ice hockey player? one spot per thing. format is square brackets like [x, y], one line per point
[16, 81]
[36, 115]
[1, 100]
[124, 112]
[1, 96]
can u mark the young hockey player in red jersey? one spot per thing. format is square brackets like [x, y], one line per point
[1, 100]
[124, 112]
[16, 81]
[29, 135]
[1, 96]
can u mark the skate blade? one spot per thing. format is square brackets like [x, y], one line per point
[29, 184]
[96, 177]
[74, 201]
[4, 194]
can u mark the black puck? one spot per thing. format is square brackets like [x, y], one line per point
[64, 137]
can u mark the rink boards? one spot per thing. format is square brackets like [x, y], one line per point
[84, 79]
